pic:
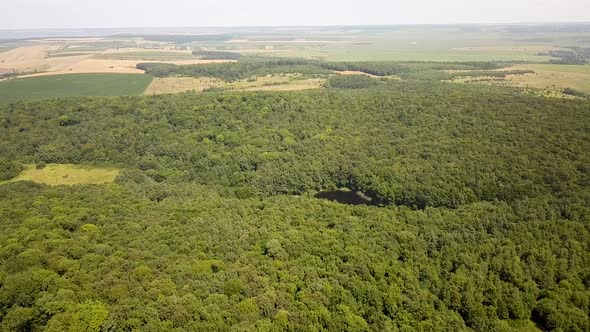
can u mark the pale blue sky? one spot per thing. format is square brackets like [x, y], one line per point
[22, 14]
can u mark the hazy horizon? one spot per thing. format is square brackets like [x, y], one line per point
[303, 26]
[69, 14]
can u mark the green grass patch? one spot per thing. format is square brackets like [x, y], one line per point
[72, 85]
[67, 174]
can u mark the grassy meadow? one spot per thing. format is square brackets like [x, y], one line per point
[67, 174]
[560, 76]
[552, 78]
[287, 82]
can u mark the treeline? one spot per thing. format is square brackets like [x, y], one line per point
[260, 66]
[569, 56]
[427, 70]
[235, 71]
[216, 55]
[373, 68]
[575, 93]
[9, 169]
[406, 69]
[9, 74]
[490, 73]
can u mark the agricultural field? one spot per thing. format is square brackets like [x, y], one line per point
[121, 52]
[181, 84]
[281, 85]
[555, 75]
[264, 83]
[67, 174]
[551, 78]
[73, 85]
[402, 44]
[51, 57]
[29, 58]
[147, 55]
[408, 50]
[285, 82]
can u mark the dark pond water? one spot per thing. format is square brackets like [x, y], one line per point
[345, 197]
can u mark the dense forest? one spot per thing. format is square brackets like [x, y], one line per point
[481, 222]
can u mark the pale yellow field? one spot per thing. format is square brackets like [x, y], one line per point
[267, 83]
[312, 83]
[88, 66]
[67, 174]
[72, 52]
[557, 76]
[31, 58]
[352, 72]
[71, 39]
[35, 61]
[181, 84]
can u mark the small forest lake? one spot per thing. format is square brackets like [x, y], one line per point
[345, 196]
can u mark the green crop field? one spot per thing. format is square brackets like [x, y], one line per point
[73, 85]
[409, 44]
[431, 46]
[392, 52]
